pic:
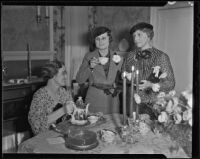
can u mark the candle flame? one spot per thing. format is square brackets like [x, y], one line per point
[132, 68]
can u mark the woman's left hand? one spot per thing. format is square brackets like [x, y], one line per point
[145, 84]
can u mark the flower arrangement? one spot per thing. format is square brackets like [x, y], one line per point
[174, 117]
[174, 110]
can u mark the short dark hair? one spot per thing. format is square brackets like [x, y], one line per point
[145, 27]
[50, 69]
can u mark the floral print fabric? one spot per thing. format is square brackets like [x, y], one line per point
[42, 105]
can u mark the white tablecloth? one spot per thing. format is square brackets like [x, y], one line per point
[146, 144]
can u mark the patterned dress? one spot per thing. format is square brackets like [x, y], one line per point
[145, 63]
[42, 105]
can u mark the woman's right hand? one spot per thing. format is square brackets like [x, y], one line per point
[69, 107]
[93, 62]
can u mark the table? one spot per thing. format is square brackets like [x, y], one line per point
[147, 144]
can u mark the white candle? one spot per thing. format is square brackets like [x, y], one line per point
[47, 11]
[29, 60]
[132, 92]
[137, 90]
[124, 98]
[38, 10]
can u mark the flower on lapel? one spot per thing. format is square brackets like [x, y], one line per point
[157, 74]
[137, 98]
[116, 58]
[156, 87]
[156, 70]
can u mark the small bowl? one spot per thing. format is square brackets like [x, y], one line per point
[93, 119]
[103, 60]
[107, 135]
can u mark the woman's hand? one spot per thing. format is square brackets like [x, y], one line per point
[69, 107]
[145, 84]
[93, 62]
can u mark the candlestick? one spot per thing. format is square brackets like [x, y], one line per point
[137, 90]
[47, 12]
[38, 10]
[29, 61]
[124, 98]
[132, 92]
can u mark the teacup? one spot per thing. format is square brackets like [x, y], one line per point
[93, 119]
[103, 60]
[107, 135]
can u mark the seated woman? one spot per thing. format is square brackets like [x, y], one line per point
[52, 102]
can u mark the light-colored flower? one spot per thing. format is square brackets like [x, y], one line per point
[177, 109]
[189, 101]
[128, 76]
[187, 115]
[163, 117]
[137, 98]
[169, 107]
[156, 70]
[116, 58]
[190, 122]
[175, 101]
[161, 95]
[177, 118]
[172, 93]
[156, 87]
[163, 75]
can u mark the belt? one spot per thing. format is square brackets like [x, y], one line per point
[102, 86]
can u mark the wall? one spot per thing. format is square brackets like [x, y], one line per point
[19, 27]
[174, 35]
[120, 20]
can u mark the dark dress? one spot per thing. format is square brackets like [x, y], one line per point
[144, 62]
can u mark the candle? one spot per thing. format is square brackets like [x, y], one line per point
[132, 92]
[29, 60]
[124, 98]
[47, 12]
[38, 10]
[137, 90]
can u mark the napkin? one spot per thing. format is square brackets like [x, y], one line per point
[55, 140]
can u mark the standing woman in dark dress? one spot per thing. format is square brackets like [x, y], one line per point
[149, 60]
[52, 102]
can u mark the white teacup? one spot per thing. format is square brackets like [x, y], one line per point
[93, 119]
[103, 60]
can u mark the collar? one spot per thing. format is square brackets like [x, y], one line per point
[143, 54]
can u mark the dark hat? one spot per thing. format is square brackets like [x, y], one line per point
[141, 26]
[100, 30]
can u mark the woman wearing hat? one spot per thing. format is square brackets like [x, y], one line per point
[100, 68]
[151, 63]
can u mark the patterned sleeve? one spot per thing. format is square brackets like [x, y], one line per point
[167, 83]
[84, 71]
[37, 116]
